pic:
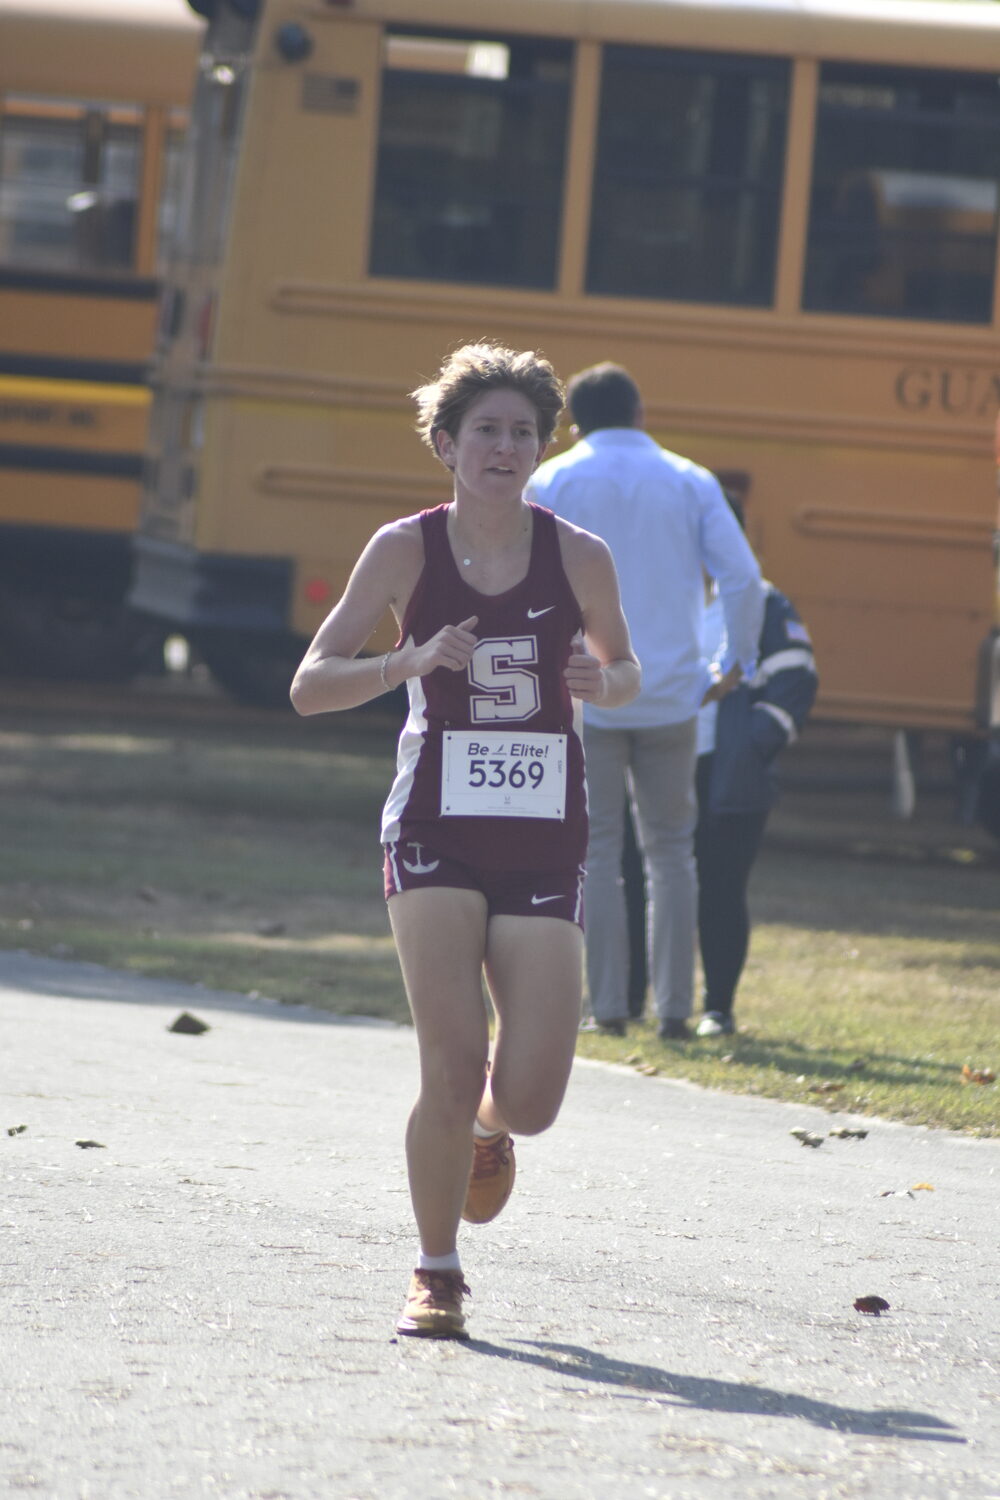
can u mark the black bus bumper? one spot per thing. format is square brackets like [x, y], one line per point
[198, 591]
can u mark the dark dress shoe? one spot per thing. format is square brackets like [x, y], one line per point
[674, 1031]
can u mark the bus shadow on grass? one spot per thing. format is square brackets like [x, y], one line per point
[800, 1061]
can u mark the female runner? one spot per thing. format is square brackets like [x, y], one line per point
[505, 615]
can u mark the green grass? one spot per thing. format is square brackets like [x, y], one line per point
[886, 1005]
[243, 854]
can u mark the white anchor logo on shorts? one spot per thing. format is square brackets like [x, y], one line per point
[422, 866]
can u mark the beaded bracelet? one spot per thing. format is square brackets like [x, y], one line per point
[381, 671]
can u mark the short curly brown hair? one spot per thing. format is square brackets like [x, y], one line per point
[476, 368]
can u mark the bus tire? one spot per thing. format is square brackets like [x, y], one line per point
[988, 802]
[252, 666]
[60, 638]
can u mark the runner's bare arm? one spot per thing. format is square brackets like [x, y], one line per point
[331, 675]
[605, 669]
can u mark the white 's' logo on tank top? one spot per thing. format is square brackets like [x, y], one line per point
[508, 692]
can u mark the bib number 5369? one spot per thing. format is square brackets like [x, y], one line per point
[497, 773]
[494, 774]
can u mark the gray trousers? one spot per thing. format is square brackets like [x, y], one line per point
[656, 767]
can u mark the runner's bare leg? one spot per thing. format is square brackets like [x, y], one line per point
[441, 937]
[534, 966]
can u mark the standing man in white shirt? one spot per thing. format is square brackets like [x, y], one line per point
[666, 522]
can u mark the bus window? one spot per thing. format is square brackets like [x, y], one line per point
[687, 183]
[903, 219]
[471, 143]
[68, 185]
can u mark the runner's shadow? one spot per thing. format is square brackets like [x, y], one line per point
[648, 1383]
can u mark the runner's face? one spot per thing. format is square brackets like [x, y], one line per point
[497, 448]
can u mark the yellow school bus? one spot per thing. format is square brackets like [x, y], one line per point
[93, 97]
[780, 216]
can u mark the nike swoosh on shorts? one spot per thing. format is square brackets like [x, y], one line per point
[539, 900]
[534, 613]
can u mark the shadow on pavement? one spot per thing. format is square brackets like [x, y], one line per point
[647, 1381]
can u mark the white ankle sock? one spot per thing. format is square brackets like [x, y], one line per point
[481, 1132]
[438, 1262]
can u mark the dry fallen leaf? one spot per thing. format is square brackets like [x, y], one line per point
[650, 1069]
[16, 1129]
[876, 1306]
[845, 1133]
[806, 1137]
[91, 1145]
[977, 1075]
[190, 1024]
[829, 1087]
[922, 1187]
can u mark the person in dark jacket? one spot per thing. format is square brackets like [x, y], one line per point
[739, 740]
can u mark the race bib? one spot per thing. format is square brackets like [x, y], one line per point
[500, 775]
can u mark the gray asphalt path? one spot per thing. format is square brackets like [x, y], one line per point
[203, 1305]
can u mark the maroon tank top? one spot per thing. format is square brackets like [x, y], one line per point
[512, 697]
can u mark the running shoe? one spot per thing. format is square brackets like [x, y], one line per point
[434, 1306]
[491, 1178]
[617, 1027]
[715, 1023]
